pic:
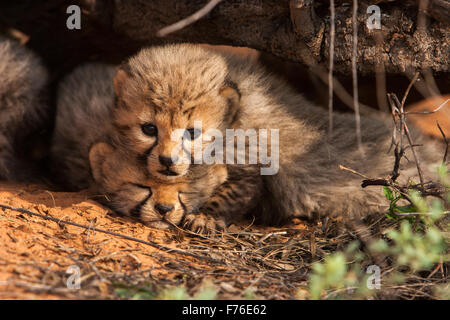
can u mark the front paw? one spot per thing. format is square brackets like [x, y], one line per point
[203, 224]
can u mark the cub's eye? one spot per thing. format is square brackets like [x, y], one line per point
[149, 130]
[193, 133]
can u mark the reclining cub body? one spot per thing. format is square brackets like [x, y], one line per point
[163, 89]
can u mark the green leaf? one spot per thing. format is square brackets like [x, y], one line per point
[388, 193]
[405, 209]
[444, 175]
[418, 201]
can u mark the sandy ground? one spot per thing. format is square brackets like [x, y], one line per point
[30, 245]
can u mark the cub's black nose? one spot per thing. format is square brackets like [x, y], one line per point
[163, 209]
[166, 161]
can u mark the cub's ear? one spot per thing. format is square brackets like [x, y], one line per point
[231, 93]
[122, 75]
[97, 156]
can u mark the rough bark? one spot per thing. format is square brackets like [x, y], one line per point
[299, 30]
[296, 30]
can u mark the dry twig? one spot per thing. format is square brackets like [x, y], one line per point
[189, 20]
[400, 131]
[330, 70]
[355, 75]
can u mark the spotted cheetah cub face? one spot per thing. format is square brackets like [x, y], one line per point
[160, 93]
[130, 191]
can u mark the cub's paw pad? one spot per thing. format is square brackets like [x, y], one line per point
[203, 224]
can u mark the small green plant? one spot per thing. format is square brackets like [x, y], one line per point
[135, 292]
[394, 209]
[207, 291]
[337, 278]
[174, 293]
[249, 293]
[416, 249]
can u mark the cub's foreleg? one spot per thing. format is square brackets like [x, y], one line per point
[230, 202]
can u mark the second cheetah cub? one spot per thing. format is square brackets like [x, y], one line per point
[126, 188]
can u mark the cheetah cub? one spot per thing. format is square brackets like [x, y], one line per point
[23, 111]
[165, 89]
[128, 190]
[83, 156]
